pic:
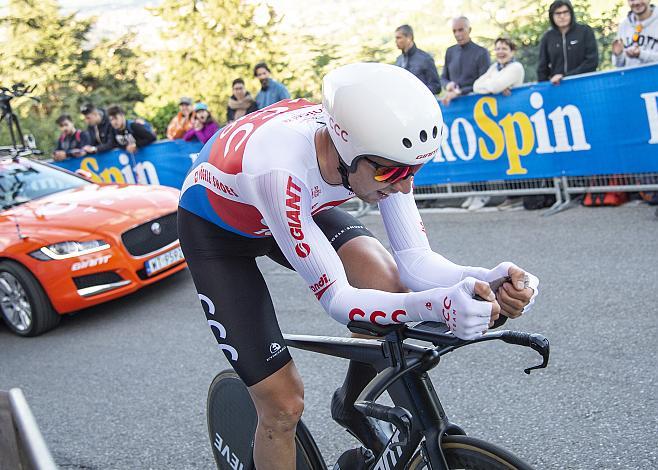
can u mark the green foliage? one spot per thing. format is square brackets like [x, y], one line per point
[161, 117]
[209, 44]
[46, 48]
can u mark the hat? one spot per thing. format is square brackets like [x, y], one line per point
[185, 100]
[200, 107]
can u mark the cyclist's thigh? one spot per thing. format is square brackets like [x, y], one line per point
[234, 296]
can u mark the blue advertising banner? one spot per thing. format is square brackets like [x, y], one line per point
[165, 162]
[594, 124]
[599, 123]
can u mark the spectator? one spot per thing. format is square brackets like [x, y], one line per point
[416, 61]
[637, 39]
[568, 48]
[204, 126]
[71, 140]
[503, 74]
[271, 91]
[182, 122]
[99, 129]
[465, 62]
[240, 103]
[128, 135]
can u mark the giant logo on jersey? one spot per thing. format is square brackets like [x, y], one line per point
[293, 209]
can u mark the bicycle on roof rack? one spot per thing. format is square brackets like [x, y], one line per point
[421, 435]
[20, 146]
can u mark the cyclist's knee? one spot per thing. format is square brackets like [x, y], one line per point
[281, 414]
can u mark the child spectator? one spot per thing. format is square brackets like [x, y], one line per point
[204, 125]
[128, 135]
[240, 103]
[99, 129]
[503, 74]
[71, 140]
[182, 122]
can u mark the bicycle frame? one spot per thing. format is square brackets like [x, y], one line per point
[418, 415]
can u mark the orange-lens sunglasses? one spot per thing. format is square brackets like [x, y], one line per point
[392, 174]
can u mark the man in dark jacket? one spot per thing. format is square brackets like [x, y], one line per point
[128, 135]
[568, 48]
[465, 62]
[98, 128]
[71, 140]
[416, 61]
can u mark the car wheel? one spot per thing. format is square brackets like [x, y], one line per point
[24, 305]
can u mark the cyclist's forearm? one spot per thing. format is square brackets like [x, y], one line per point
[422, 269]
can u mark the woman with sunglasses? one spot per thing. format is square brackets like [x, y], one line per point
[268, 185]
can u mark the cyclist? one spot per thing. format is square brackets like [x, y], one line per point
[267, 185]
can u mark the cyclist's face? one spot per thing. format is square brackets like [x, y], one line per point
[368, 189]
[118, 121]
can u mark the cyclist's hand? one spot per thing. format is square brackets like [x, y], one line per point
[466, 317]
[515, 297]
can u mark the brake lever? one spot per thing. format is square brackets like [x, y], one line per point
[540, 344]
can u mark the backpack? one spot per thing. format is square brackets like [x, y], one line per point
[77, 135]
[147, 125]
[539, 201]
[613, 198]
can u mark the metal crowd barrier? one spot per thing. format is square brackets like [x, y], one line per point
[563, 188]
[22, 446]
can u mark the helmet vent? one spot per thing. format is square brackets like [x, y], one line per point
[435, 131]
[406, 142]
[423, 136]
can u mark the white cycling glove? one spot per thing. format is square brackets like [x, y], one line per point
[455, 306]
[502, 270]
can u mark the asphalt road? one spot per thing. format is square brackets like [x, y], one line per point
[123, 385]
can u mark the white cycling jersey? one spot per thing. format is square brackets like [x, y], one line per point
[259, 177]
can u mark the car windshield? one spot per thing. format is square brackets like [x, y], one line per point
[26, 180]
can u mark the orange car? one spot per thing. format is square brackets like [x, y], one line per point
[67, 243]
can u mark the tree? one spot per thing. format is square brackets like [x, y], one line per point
[207, 44]
[46, 48]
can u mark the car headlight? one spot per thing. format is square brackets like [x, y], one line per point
[69, 249]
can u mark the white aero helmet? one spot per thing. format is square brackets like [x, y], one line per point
[381, 110]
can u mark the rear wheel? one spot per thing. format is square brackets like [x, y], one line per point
[24, 305]
[463, 452]
[232, 422]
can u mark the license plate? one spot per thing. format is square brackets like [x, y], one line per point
[163, 261]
